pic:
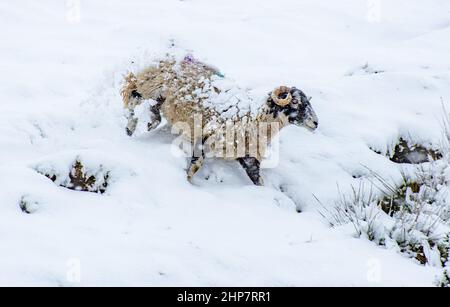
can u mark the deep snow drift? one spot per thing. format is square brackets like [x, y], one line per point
[374, 78]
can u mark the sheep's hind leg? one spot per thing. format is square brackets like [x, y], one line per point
[252, 167]
[198, 157]
[154, 114]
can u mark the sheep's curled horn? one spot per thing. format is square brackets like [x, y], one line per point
[282, 96]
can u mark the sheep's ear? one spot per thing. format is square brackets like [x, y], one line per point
[309, 98]
[282, 96]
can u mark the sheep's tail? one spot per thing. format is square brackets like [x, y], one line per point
[129, 86]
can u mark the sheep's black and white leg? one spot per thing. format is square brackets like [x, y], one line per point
[134, 100]
[198, 157]
[154, 113]
[252, 166]
[132, 123]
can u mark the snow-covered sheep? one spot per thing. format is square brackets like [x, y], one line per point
[197, 97]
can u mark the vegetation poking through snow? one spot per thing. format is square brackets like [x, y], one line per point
[82, 181]
[444, 281]
[405, 152]
[411, 216]
[359, 209]
[28, 205]
[80, 178]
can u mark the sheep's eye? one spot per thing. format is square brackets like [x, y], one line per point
[283, 95]
[135, 94]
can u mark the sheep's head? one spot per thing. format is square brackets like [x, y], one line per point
[293, 104]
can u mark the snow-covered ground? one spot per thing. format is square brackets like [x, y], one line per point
[375, 74]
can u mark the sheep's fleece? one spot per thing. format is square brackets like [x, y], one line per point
[190, 87]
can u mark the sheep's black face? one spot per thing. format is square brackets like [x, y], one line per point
[295, 106]
[300, 111]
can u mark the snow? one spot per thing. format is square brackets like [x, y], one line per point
[372, 81]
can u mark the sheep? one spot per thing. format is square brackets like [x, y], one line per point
[232, 124]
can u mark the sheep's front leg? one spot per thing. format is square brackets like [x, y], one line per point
[252, 167]
[198, 157]
[155, 116]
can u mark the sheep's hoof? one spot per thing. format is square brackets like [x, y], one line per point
[129, 132]
[259, 182]
[189, 179]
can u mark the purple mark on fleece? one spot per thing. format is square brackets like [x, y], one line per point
[189, 59]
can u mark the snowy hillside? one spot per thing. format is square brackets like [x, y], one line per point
[378, 72]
